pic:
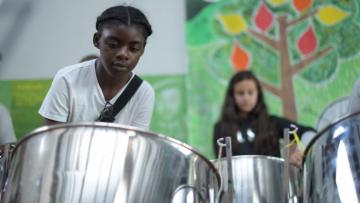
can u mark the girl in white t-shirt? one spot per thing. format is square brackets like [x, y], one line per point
[79, 93]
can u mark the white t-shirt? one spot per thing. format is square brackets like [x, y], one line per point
[7, 134]
[75, 96]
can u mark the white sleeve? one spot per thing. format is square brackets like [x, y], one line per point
[145, 109]
[56, 103]
[354, 105]
[7, 134]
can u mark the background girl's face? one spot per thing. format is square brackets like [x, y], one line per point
[245, 95]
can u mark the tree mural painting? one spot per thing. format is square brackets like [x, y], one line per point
[213, 54]
[308, 38]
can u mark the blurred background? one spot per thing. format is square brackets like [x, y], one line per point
[305, 52]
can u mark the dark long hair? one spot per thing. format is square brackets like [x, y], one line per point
[266, 141]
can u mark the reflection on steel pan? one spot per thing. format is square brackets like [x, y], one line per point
[332, 163]
[5, 157]
[258, 178]
[107, 163]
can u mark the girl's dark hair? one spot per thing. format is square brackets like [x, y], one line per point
[126, 15]
[266, 142]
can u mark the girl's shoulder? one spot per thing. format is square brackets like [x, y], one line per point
[74, 71]
[279, 119]
[282, 123]
[217, 124]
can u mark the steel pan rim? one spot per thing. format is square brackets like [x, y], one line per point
[341, 99]
[122, 127]
[257, 156]
[252, 156]
[318, 135]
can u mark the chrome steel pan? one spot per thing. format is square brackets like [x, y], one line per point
[259, 178]
[107, 163]
[5, 157]
[332, 163]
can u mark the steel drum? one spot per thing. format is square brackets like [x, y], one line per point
[260, 179]
[5, 157]
[332, 163]
[107, 163]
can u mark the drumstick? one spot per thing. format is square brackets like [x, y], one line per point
[229, 169]
[286, 164]
[228, 153]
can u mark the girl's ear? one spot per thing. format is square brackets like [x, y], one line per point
[96, 39]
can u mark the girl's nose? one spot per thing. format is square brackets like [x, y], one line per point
[122, 53]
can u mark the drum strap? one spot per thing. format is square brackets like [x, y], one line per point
[109, 113]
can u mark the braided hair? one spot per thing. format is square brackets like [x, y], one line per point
[126, 15]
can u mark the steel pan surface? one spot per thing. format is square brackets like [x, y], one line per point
[259, 179]
[5, 157]
[332, 163]
[107, 163]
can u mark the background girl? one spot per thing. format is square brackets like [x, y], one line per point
[246, 120]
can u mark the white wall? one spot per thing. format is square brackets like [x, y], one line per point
[59, 33]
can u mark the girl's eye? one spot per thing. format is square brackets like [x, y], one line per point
[135, 48]
[240, 93]
[112, 44]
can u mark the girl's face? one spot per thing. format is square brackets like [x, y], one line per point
[120, 47]
[246, 95]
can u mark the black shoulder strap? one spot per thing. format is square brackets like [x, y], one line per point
[123, 99]
[127, 94]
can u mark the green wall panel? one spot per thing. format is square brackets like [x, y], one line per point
[24, 97]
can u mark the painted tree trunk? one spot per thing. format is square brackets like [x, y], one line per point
[287, 87]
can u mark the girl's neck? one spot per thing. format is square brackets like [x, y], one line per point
[110, 86]
[244, 115]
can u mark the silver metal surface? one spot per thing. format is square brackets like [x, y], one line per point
[107, 163]
[286, 157]
[5, 157]
[332, 163]
[260, 179]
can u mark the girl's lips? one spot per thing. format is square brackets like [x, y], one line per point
[120, 67]
[119, 64]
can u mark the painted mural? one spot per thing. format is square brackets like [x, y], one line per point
[305, 52]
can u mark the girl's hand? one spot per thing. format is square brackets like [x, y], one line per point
[296, 157]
